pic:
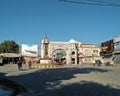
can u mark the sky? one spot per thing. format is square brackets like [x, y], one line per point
[28, 21]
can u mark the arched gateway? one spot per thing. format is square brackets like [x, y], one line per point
[60, 52]
[59, 56]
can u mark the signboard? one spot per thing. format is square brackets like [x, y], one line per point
[117, 46]
[87, 52]
[29, 50]
[104, 47]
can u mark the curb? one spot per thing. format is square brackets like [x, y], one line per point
[46, 66]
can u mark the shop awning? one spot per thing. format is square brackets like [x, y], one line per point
[11, 55]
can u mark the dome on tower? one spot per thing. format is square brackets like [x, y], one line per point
[46, 40]
[72, 41]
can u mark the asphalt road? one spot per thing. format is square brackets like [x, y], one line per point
[66, 81]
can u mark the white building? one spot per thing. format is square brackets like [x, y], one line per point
[72, 52]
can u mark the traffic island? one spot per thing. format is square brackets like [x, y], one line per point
[46, 66]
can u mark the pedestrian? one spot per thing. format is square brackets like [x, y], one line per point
[93, 61]
[19, 63]
[81, 62]
[30, 64]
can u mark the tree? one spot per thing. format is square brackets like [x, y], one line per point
[9, 46]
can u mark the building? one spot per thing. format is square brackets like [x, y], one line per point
[110, 51]
[72, 52]
[116, 52]
[69, 53]
[107, 49]
[90, 52]
[9, 58]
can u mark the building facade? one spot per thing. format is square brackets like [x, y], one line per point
[116, 52]
[69, 53]
[110, 50]
[72, 52]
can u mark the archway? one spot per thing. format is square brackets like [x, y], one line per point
[59, 56]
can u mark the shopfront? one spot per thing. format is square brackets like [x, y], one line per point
[116, 53]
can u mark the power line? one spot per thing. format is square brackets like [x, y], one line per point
[93, 2]
[105, 2]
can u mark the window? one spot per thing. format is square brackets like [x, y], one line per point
[95, 51]
[73, 53]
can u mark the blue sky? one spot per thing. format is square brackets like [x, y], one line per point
[28, 20]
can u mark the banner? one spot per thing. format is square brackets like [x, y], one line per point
[29, 50]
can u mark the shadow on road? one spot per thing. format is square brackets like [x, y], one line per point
[11, 87]
[2, 75]
[47, 82]
[83, 88]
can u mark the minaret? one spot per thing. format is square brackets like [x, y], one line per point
[44, 48]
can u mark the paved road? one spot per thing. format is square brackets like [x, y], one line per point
[66, 81]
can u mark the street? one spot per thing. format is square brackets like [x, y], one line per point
[66, 81]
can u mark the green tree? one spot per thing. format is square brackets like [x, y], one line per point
[9, 46]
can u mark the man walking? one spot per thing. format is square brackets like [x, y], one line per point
[19, 63]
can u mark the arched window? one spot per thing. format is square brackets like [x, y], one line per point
[73, 53]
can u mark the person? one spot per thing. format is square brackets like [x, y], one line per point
[30, 64]
[19, 65]
[81, 62]
[93, 61]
